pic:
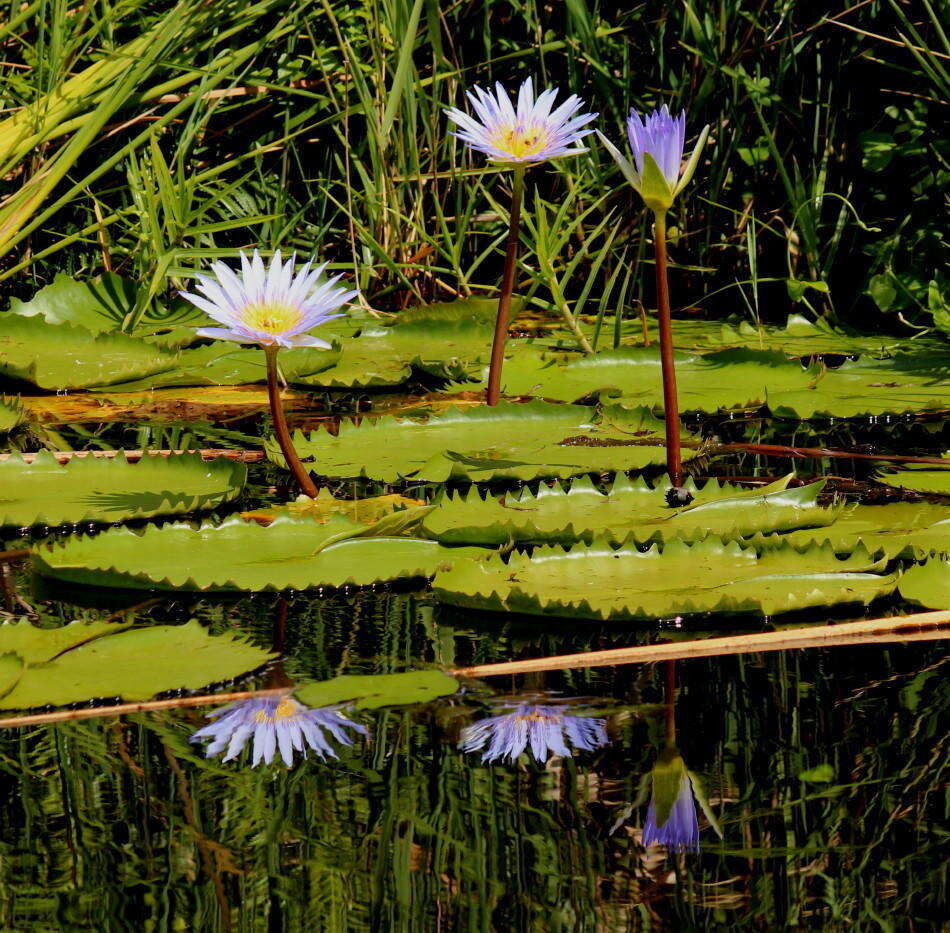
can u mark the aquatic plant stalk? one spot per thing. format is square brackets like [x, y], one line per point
[671, 414]
[659, 174]
[304, 481]
[507, 287]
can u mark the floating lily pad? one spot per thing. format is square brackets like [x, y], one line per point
[735, 379]
[222, 363]
[730, 379]
[66, 356]
[237, 555]
[899, 529]
[38, 645]
[446, 340]
[904, 383]
[366, 511]
[934, 480]
[601, 582]
[801, 337]
[509, 440]
[371, 691]
[100, 306]
[133, 664]
[928, 584]
[88, 488]
[477, 312]
[628, 510]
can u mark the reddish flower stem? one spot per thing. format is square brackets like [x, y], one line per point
[674, 462]
[280, 427]
[507, 286]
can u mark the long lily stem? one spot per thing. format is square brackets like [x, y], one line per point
[674, 462]
[280, 427]
[507, 286]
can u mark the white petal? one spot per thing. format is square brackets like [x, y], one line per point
[222, 333]
[308, 340]
[629, 172]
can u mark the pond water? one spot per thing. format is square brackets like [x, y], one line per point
[824, 769]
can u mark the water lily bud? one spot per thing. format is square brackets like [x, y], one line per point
[657, 144]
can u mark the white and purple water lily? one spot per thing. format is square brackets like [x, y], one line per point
[525, 133]
[269, 305]
[546, 730]
[675, 792]
[276, 723]
[679, 831]
[657, 144]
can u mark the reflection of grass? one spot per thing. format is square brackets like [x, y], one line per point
[411, 830]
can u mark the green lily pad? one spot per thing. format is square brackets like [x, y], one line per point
[476, 312]
[928, 584]
[729, 379]
[934, 480]
[601, 582]
[797, 338]
[134, 664]
[628, 510]
[904, 383]
[446, 340]
[223, 363]
[66, 356]
[509, 440]
[237, 555]
[899, 529]
[367, 511]
[112, 489]
[38, 645]
[371, 691]
[101, 305]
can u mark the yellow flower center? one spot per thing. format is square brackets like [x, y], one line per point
[536, 717]
[521, 141]
[286, 709]
[270, 318]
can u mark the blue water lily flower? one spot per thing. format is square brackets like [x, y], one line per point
[546, 730]
[657, 144]
[269, 305]
[677, 826]
[525, 133]
[277, 722]
[672, 820]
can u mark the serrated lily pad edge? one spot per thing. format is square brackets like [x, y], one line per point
[111, 576]
[521, 601]
[231, 487]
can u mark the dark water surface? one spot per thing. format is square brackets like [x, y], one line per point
[825, 769]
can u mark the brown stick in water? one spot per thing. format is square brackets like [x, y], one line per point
[920, 626]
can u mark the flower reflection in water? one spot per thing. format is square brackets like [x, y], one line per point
[674, 792]
[276, 723]
[671, 814]
[546, 730]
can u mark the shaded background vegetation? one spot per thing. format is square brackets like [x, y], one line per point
[145, 137]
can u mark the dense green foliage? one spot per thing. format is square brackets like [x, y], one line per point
[146, 137]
